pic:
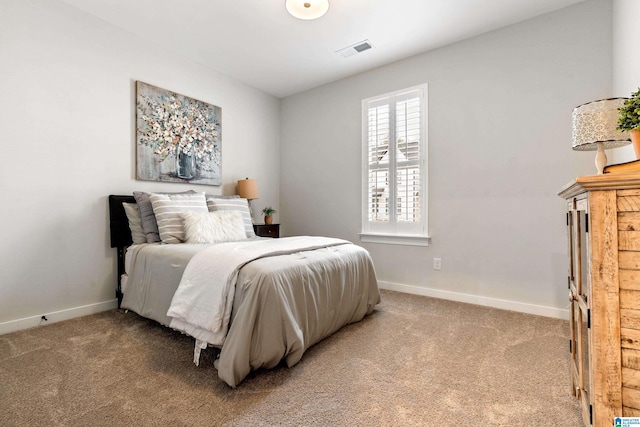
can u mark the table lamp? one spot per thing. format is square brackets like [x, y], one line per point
[248, 189]
[595, 128]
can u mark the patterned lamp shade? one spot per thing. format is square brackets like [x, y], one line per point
[595, 128]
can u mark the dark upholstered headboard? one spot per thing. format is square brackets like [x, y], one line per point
[118, 222]
[120, 234]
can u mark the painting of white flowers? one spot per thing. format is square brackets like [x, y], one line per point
[178, 139]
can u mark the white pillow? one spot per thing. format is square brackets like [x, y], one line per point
[240, 205]
[135, 223]
[167, 209]
[213, 227]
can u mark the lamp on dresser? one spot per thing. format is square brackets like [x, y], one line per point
[595, 128]
[248, 189]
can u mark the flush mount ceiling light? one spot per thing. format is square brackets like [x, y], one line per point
[307, 9]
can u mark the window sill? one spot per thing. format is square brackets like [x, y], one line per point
[395, 239]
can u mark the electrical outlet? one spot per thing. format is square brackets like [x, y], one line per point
[437, 263]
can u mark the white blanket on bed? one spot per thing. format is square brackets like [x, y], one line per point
[201, 306]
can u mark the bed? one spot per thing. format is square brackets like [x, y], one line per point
[283, 295]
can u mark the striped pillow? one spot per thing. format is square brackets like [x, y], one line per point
[167, 209]
[149, 224]
[235, 204]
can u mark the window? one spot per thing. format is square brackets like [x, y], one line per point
[394, 193]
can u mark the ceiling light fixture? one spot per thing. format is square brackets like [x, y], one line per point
[307, 9]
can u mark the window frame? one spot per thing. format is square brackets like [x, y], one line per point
[393, 231]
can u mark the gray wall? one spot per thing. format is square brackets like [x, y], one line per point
[499, 150]
[67, 118]
[500, 106]
[626, 61]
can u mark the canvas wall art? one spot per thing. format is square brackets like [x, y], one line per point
[178, 139]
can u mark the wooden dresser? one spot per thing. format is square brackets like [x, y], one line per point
[603, 221]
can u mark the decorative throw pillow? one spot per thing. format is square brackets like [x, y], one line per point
[135, 223]
[213, 227]
[149, 223]
[236, 204]
[167, 209]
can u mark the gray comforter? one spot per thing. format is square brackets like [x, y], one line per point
[282, 304]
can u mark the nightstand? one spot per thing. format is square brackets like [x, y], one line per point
[267, 230]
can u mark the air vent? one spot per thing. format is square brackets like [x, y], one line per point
[355, 48]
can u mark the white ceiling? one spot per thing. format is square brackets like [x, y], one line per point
[259, 43]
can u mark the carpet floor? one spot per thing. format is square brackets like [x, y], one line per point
[416, 361]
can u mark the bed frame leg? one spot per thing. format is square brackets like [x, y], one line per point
[120, 273]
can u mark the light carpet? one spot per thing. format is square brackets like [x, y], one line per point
[416, 361]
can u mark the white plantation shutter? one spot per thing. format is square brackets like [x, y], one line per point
[408, 138]
[394, 167]
[378, 161]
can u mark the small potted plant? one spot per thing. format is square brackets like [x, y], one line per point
[268, 214]
[629, 119]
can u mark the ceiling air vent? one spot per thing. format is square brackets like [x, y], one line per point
[355, 48]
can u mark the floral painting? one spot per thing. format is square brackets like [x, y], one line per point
[178, 138]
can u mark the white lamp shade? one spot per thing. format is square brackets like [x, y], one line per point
[596, 122]
[307, 9]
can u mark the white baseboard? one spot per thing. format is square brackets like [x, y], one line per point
[521, 307]
[71, 313]
[56, 316]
